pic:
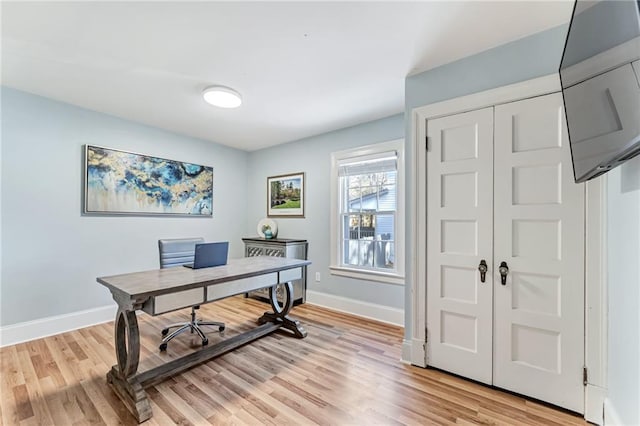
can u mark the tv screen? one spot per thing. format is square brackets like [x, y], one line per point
[600, 76]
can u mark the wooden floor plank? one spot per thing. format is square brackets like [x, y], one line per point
[53, 401]
[10, 378]
[346, 372]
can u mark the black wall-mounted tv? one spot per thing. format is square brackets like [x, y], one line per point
[600, 76]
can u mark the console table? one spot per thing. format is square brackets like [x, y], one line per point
[279, 247]
[159, 291]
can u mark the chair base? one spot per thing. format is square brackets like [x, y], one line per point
[194, 326]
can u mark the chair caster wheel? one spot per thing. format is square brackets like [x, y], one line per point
[221, 328]
[165, 331]
[205, 342]
[163, 347]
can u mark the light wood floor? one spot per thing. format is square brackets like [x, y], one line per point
[346, 372]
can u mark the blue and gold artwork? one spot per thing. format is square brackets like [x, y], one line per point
[126, 183]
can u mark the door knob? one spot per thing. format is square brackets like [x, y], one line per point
[482, 267]
[504, 270]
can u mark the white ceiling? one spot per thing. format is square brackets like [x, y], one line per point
[303, 68]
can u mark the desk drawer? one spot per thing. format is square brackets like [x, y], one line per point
[222, 290]
[181, 299]
[290, 275]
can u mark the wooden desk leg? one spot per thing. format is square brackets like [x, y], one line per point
[279, 314]
[122, 378]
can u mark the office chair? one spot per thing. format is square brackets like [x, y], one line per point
[178, 252]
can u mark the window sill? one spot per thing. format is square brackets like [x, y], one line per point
[367, 275]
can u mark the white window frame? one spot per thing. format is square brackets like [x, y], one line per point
[396, 277]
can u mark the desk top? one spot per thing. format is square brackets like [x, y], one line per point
[141, 285]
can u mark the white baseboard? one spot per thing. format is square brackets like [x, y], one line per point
[611, 416]
[373, 311]
[594, 404]
[406, 351]
[43, 327]
[418, 354]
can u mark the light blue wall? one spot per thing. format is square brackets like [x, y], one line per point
[51, 254]
[313, 156]
[530, 57]
[623, 264]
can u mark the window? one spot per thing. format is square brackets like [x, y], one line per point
[367, 222]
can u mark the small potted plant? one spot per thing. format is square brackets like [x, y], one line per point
[266, 230]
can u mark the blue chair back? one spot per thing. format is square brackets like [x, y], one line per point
[177, 251]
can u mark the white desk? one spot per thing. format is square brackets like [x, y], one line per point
[159, 291]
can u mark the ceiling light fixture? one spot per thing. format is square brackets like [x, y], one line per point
[223, 97]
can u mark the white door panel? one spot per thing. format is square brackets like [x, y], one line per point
[539, 232]
[459, 313]
[508, 196]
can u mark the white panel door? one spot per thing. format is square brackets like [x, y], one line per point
[459, 235]
[539, 233]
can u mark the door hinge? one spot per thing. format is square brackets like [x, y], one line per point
[584, 376]
[426, 143]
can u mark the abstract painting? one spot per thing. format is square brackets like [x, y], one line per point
[285, 195]
[119, 182]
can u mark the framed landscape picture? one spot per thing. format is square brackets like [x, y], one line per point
[120, 182]
[285, 195]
